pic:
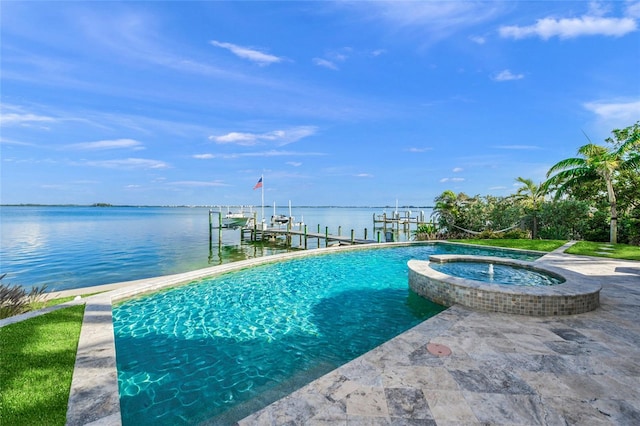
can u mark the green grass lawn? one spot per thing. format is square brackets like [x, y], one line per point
[539, 245]
[614, 251]
[37, 357]
[584, 248]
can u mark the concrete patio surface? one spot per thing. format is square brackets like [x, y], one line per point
[502, 369]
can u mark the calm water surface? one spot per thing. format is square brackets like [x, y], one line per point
[72, 247]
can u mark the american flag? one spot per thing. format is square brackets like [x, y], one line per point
[259, 184]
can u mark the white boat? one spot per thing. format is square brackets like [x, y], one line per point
[279, 219]
[237, 219]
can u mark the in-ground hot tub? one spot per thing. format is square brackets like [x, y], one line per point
[565, 294]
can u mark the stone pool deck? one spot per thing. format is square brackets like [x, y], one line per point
[503, 369]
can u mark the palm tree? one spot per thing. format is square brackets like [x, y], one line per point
[531, 195]
[598, 163]
[445, 210]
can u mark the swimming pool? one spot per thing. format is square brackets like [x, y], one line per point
[219, 349]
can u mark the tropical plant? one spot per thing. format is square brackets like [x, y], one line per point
[531, 196]
[502, 213]
[15, 300]
[460, 214]
[563, 219]
[426, 231]
[445, 210]
[599, 163]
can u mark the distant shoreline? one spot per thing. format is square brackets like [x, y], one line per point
[104, 205]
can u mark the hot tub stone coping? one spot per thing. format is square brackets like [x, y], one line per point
[577, 294]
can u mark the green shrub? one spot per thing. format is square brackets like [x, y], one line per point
[488, 234]
[596, 226]
[562, 220]
[426, 231]
[629, 231]
[556, 232]
[517, 234]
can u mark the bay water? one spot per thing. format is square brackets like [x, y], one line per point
[68, 247]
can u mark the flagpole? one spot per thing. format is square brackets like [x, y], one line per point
[262, 188]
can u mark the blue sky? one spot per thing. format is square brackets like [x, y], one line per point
[335, 103]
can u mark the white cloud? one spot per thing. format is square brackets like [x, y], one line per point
[457, 169]
[339, 55]
[107, 144]
[294, 163]
[364, 175]
[252, 55]
[437, 18]
[278, 137]
[451, 180]
[5, 141]
[245, 139]
[378, 52]
[271, 153]
[129, 163]
[478, 39]
[325, 63]
[571, 27]
[507, 75]
[22, 119]
[414, 149]
[203, 156]
[633, 9]
[615, 111]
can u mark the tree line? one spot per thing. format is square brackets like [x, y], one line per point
[594, 196]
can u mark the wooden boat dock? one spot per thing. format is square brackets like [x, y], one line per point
[398, 220]
[386, 228]
[257, 233]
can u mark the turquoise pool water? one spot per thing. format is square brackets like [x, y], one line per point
[219, 349]
[502, 274]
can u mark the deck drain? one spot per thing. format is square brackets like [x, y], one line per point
[438, 350]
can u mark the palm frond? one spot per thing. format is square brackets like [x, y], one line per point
[592, 150]
[566, 164]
